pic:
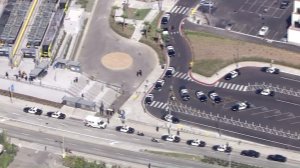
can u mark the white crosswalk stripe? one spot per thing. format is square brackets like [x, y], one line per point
[160, 105]
[180, 10]
[231, 86]
[183, 76]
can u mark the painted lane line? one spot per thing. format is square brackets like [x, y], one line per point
[24, 134]
[49, 139]
[72, 144]
[16, 114]
[249, 109]
[276, 115]
[295, 123]
[290, 79]
[288, 118]
[288, 102]
[268, 111]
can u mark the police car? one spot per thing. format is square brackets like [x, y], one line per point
[265, 92]
[232, 74]
[240, 106]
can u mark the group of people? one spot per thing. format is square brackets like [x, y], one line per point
[22, 75]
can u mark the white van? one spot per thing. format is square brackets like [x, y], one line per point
[95, 122]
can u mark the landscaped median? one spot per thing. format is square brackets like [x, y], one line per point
[212, 53]
[203, 158]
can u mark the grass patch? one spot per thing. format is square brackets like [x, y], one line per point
[152, 38]
[212, 52]
[78, 162]
[86, 4]
[204, 159]
[137, 14]
[123, 30]
[10, 151]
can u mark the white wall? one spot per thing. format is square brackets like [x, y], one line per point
[294, 36]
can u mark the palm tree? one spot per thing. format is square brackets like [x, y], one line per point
[124, 16]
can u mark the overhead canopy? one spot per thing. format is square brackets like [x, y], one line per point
[79, 101]
[35, 72]
[71, 99]
[86, 103]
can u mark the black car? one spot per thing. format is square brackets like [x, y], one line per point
[184, 93]
[159, 84]
[170, 118]
[278, 158]
[56, 114]
[201, 96]
[33, 110]
[165, 19]
[250, 153]
[170, 72]
[232, 74]
[196, 142]
[149, 99]
[284, 4]
[271, 70]
[171, 51]
[214, 97]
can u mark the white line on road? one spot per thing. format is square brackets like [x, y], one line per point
[288, 102]
[120, 154]
[16, 113]
[290, 79]
[268, 111]
[72, 144]
[24, 134]
[48, 139]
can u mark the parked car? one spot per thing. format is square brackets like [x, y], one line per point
[278, 158]
[125, 129]
[171, 51]
[222, 148]
[165, 19]
[33, 110]
[56, 114]
[250, 153]
[284, 4]
[263, 31]
[149, 99]
[170, 72]
[265, 92]
[201, 96]
[271, 70]
[95, 122]
[170, 118]
[171, 138]
[196, 142]
[184, 93]
[159, 84]
[214, 97]
[232, 74]
[240, 106]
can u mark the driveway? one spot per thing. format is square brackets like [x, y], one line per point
[100, 40]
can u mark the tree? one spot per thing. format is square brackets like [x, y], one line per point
[157, 33]
[124, 16]
[146, 27]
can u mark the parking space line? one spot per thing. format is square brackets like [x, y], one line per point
[262, 5]
[244, 26]
[273, 37]
[288, 102]
[253, 4]
[268, 111]
[298, 122]
[289, 118]
[276, 115]
[290, 79]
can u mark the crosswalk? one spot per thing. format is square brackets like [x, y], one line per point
[231, 86]
[180, 10]
[159, 105]
[183, 76]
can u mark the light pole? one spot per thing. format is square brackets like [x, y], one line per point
[229, 159]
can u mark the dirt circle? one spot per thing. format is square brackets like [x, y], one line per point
[117, 61]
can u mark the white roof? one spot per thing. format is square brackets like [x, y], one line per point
[93, 118]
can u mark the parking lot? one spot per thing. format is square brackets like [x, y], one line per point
[248, 16]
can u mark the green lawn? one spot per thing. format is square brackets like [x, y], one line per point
[137, 14]
[86, 4]
[10, 151]
[125, 31]
[152, 39]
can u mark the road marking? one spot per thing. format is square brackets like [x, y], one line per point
[16, 113]
[120, 154]
[48, 139]
[233, 86]
[276, 115]
[229, 85]
[72, 144]
[288, 118]
[114, 142]
[288, 102]
[295, 122]
[24, 134]
[290, 79]
[268, 111]
[253, 108]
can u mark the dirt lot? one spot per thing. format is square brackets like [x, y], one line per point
[212, 53]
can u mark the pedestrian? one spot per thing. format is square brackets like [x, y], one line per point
[107, 120]
[141, 72]
[45, 148]
[26, 78]
[82, 95]
[6, 75]
[149, 165]
[137, 73]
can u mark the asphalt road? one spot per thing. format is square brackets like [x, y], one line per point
[270, 120]
[48, 131]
